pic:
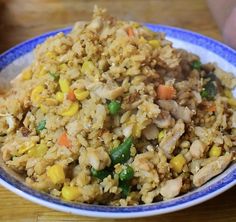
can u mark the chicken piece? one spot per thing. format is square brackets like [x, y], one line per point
[171, 188]
[169, 141]
[212, 169]
[227, 79]
[179, 112]
[43, 183]
[197, 149]
[106, 92]
[150, 132]
[164, 120]
[98, 158]
[95, 25]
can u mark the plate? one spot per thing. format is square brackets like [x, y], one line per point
[209, 50]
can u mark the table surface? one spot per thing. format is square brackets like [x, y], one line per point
[21, 20]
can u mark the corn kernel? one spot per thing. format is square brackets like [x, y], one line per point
[24, 148]
[70, 193]
[154, 43]
[50, 55]
[116, 143]
[56, 174]
[51, 102]
[177, 163]
[135, 25]
[35, 94]
[43, 109]
[63, 67]
[87, 67]
[215, 151]
[64, 85]
[60, 96]
[26, 74]
[142, 40]
[72, 110]
[42, 72]
[161, 135]
[38, 151]
[81, 94]
[133, 151]
[136, 131]
[232, 102]
[228, 93]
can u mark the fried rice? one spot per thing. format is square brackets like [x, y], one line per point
[112, 114]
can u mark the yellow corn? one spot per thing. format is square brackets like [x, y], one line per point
[26, 75]
[24, 148]
[228, 93]
[60, 96]
[133, 151]
[38, 151]
[116, 143]
[232, 102]
[154, 43]
[142, 40]
[51, 102]
[135, 25]
[70, 193]
[72, 110]
[35, 94]
[161, 135]
[81, 94]
[63, 67]
[177, 163]
[42, 72]
[56, 174]
[43, 108]
[87, 67]
[136, 131]
[64, 85]
[215, 151]
[50, 55]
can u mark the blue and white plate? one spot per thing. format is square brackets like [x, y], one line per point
[15, 59]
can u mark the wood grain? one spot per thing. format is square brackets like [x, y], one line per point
[21, 20]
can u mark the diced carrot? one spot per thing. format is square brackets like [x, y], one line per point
[166, 92]
[211, 108]
[71, 96]
[130, 32]
[64, 140]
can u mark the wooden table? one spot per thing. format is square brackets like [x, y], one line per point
[20, 20]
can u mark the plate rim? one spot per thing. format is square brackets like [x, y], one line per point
[23, 48]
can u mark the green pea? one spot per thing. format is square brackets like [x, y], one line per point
[127, 173]
[125, 187]
[114, 107]
[121, 154]
[196, 65]
[100, 174]
[41, 126]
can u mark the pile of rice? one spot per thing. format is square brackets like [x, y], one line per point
[58, 132]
